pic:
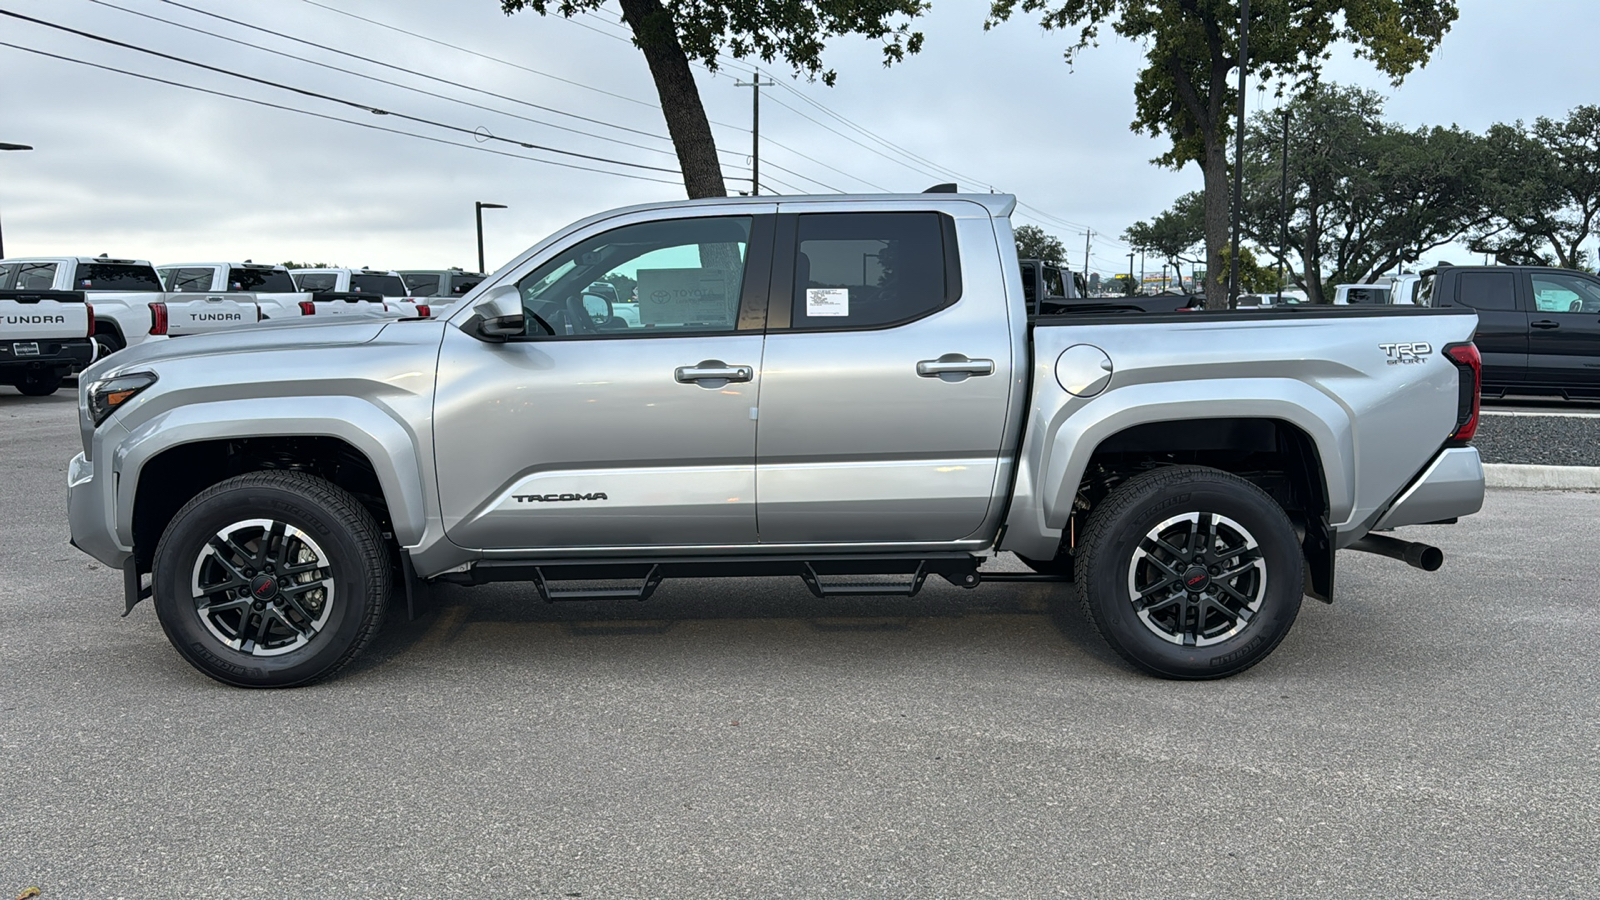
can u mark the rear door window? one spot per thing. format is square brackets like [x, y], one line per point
[6, 271]
[387, 285]
[36, 276]
[871, 270]
[1487, 290]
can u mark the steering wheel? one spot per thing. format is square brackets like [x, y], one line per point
[582, 322]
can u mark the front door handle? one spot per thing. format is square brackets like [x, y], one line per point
[713, 370]
[1545, 323]
[954, 367]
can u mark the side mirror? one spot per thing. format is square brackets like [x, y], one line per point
[497, 315]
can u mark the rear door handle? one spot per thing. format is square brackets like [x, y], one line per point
[1545, 323]
[955, 366]
[713, 370]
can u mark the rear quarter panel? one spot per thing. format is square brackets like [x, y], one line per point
[1375, 420]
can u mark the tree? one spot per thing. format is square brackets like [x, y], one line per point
[290, 264]
[1364, 196]
[1254, 278]
[1185, 91]
[672, 35]
[1033, 243]
[1544, 195]
[1172, 235]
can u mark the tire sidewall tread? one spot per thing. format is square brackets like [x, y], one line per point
[1115, 528]
[348, 534]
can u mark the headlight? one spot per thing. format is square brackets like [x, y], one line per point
[107, 395]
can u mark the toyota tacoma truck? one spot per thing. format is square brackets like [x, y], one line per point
[843, 389]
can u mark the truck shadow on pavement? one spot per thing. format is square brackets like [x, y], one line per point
[772, 615]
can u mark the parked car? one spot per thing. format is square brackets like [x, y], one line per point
[44, 336]
[1538, 327]
[269, 286]
[130, 304]
[358, 292]
[445, 284]
[858, 374]
[1363, 294]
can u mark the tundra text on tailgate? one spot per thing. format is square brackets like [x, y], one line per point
[824, 387]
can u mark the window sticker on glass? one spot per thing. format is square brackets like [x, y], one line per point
[827, 301]
[684, 297]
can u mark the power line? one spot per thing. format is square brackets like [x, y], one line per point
[317, 115]
[435, 78]
[374, 78]
[327, 97]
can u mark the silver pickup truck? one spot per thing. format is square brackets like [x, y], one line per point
[844, 389]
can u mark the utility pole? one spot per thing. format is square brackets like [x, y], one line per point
[1238, 154]
[755, 129]
[1087, 236]
[478, 206]
[1283, 204]
[10, 147]
[1141, 271]
[1130, 273]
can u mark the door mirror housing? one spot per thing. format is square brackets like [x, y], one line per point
[497, 316]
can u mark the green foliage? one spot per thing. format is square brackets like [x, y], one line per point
[1119, 284]
[1034, 243]
[1544, 190]
[1174, 234]
[1364, 196]
[622, 283]
[1254, 278]
[1186, 91]
[288, 264]
[794, 31]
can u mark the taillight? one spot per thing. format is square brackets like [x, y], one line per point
[90, 308]
[1469, 364]
[307, 308]
[158, 318]
[423, 310]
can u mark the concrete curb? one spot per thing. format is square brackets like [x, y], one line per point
[1542, 478]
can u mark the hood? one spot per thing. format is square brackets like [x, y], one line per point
[286, 336]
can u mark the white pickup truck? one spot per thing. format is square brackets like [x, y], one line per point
[44, 335]
[130, 305]
[371, 293]
[269, 286]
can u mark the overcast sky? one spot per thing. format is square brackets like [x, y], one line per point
[140, 169]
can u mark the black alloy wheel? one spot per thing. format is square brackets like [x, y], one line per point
[271, 579]
[1190, 572]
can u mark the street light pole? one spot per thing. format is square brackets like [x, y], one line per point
[1283, 205]
[4, 146]
[477, 208]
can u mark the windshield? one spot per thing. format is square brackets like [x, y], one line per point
[265, 281]
[422, 285]
[387, 285]
[116, 277]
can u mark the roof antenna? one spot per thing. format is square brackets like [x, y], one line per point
[948, 187]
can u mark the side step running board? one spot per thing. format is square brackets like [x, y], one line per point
[548, 594]
[821, 589]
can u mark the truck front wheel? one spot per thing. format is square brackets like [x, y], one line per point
[271, 579]
[1190, 572]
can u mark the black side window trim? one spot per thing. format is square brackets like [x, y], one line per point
[752, 297]
[780, 315]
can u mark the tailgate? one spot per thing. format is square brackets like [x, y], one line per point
[356, 304]
[31, 315]
[200, 313]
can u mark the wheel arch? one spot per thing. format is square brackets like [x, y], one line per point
[174, 456]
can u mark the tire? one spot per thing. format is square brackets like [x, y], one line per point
[210, 556]
[41, 383]
[109, 341]
[1195, 625]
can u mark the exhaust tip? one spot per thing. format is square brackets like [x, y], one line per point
[1424, 557]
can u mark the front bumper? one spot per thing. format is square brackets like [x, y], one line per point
[1451, 486]
[89, 509]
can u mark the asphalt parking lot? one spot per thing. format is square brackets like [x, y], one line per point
[1429, 735]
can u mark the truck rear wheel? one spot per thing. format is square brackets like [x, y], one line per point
[1190, 572]
[271, 579]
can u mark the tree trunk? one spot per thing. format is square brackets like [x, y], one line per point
[1217, 193]
[680, 98]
